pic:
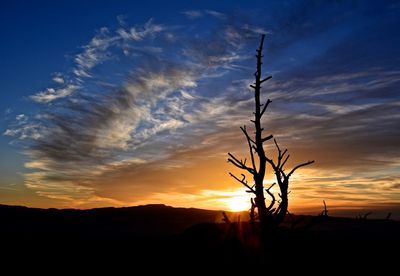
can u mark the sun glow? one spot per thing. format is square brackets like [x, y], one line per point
[238, 203]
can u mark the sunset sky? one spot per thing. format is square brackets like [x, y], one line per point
[120, 103]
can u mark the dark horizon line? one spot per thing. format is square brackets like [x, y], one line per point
[334, 211]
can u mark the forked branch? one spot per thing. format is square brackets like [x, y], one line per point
[249, 141]
[239, 163]
[244, 182]
[272, 197]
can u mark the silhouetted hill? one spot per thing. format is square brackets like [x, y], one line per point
[162, 237]
[154, 220]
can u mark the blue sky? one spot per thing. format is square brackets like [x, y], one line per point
[120, 103]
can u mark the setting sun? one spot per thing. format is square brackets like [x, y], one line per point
[238, 203]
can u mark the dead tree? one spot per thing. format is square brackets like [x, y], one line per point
[324, 213]
[271, 214]
[363, 217]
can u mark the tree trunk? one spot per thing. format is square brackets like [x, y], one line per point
[283, 208]
[259, 176]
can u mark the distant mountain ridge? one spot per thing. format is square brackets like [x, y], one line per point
[159, 236]
[137, 221]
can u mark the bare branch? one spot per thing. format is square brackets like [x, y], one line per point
[299, 166]
[279, 207]
[280, 156]
[267, 78]
[277, 146]
[267, 138]
[272, 196]
[247, 134]
[240, 164]
[249, 140]
[284, 162]
[260, 48]
[272, 185]
[265, 107]
[271, 162]
[236, 160]
[284, 174]
[243, 181]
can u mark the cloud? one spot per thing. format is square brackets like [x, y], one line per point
[364, 189]
[99, 49]
[22, 118]
[255, 29]
[58, 78]
[96, 52]
[51, 94]
[138, 33]
[395, 186]
[192, 14]
[122, 19]
[337, 112]
[25, 131]
[216, 14]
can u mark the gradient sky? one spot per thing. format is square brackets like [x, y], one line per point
[120, 103]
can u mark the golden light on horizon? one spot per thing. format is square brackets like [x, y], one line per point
[237, 204]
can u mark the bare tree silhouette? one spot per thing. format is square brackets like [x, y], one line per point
[363, 216]
[324, 212]
[274, 213]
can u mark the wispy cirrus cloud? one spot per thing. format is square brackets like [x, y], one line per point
[58, 78]
[138, 33]
[51, 94]
[216, 14]
[194, 14]
[101, 48]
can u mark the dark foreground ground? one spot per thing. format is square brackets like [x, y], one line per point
[162, 238]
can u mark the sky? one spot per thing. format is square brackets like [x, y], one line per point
[120, 103]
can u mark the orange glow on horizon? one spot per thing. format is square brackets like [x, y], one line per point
[238, 203]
